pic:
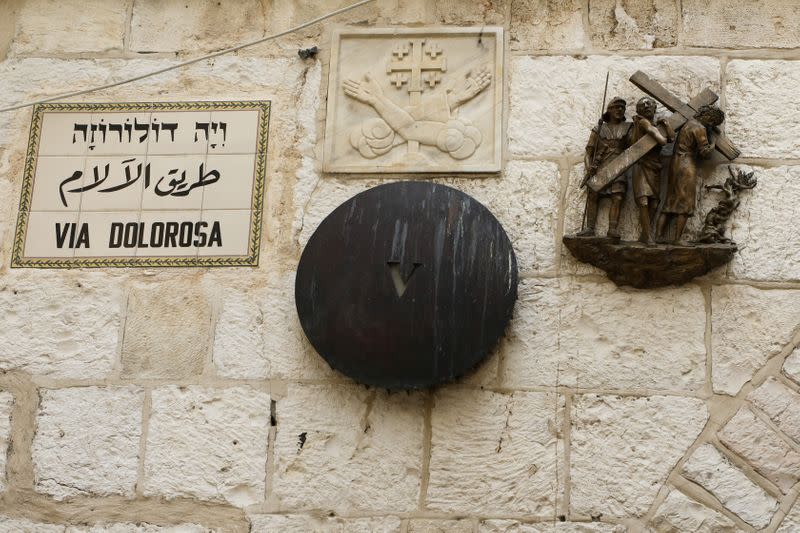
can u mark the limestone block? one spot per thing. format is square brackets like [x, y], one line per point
[556, 100]
[623, 449]
[175, 26]
[545, 25]
[345, 448]
[140, 528]
[710, 469]
[748, 327]
[512, 526]
[273, 523]
[258, 335]
[791, 522]
[755, 441]
[440, 526]
[525, 202]
[57, 27]
[87, 441]
[208, 443]
[760, 97]
[721, 24]
[767, 251]
[6, 403]
[617, 24]
[680, 513]
[791, 367]
[781, 404]
[167, 331]
[13, 525]
[475, 13]
[495, 453]
[587, 334]
[65, 326]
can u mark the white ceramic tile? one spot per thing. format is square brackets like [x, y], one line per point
[415, 100]
[169, 233]
[189, 135]
[119, 133]
[112, 234]
[59, 136]
[176, 182]
[54, 178]
[233, 132]
[234, 188]
[234, 228]
[44, 230]
[114, 183]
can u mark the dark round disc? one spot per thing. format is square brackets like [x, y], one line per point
[406, 285]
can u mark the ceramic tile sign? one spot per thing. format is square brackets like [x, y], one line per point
[415, 100]
[143, 184]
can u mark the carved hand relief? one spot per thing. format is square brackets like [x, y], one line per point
[415, 100]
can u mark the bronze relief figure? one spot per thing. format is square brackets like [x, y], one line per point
[619, 150]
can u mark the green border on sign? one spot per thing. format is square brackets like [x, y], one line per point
[251, 259]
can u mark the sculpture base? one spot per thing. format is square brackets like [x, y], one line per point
[645, 267]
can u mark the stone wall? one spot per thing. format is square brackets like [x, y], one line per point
[189, 400]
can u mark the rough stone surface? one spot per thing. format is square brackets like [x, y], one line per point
[140, 528]
[266, 523]
[61, 327]
[586, 334]
[721, 24]
[679, 513]
[167, 332]
[440, 526]
[208, 443]
[258, 335]
[495, 453]
[346, 447]
[174, 26]
[781, 404]
[762, 102]
[791, 522]
[12, 525]
[710, 469]
[791, 367]
[767, 251]
[512, 526]
[6, 403]
[617, 24]
[555, 100]
[47, 26]
[547, 25]
[748, 326]
[623, 448]
[87, 441]
[755, 441]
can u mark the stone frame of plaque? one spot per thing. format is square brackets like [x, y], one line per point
[247, 250]
[446, 87]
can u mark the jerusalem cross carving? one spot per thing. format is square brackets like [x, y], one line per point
[435, 108]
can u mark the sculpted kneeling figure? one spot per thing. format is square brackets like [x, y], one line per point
[607, 141]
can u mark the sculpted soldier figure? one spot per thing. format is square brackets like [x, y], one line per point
[691, 145]
[647, 171]
[606, 141]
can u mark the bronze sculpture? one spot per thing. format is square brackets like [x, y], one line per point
[647, 171]
[606, 141]
[694, 128]
[691, 144]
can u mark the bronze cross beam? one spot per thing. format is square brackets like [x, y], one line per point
[681, 113]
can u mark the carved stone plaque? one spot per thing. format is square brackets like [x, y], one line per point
[406, 285]
[415, 100]
[143, 184]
